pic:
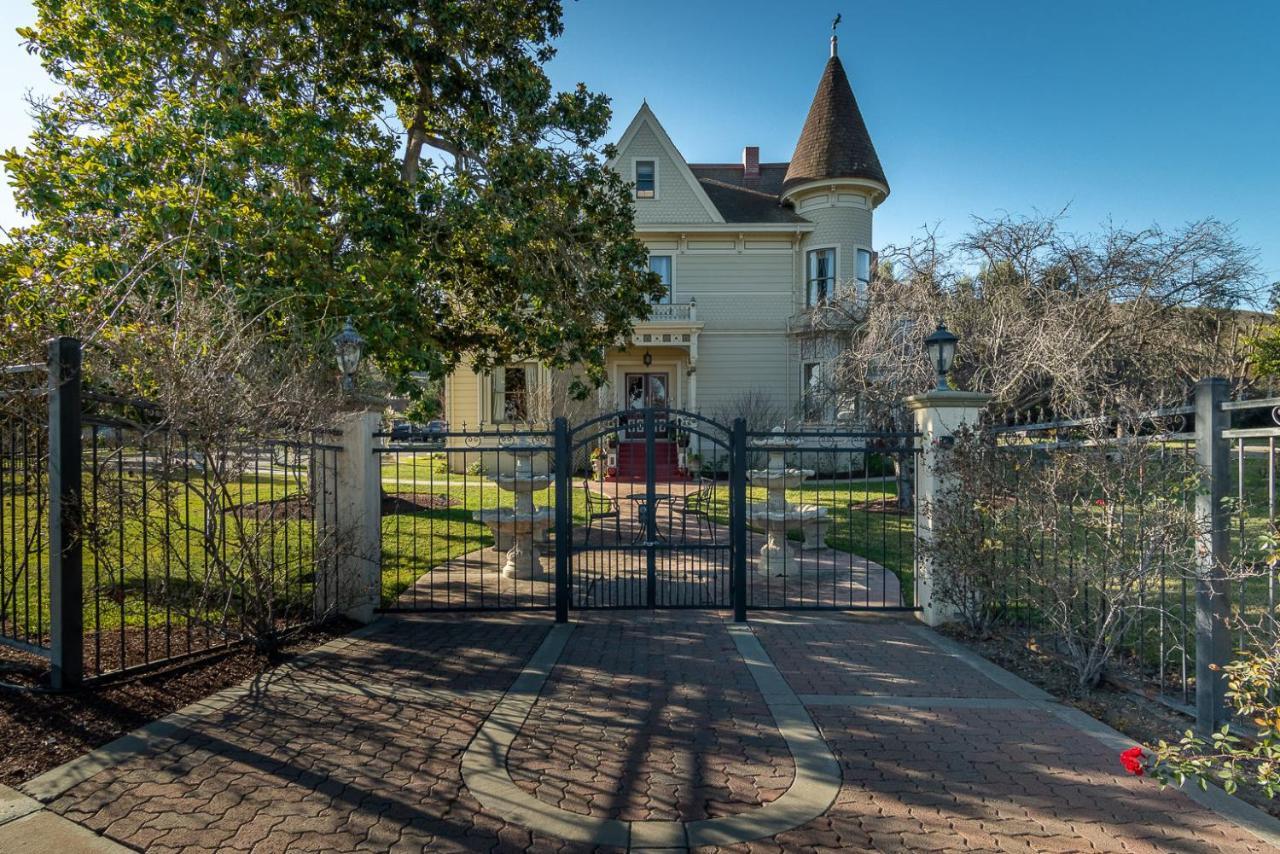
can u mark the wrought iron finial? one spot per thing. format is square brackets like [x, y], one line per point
[834, 38]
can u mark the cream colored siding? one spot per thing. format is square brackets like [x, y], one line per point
[729, 365]
[846, 225]
[677, 200]
[734, 290]
[462, 399]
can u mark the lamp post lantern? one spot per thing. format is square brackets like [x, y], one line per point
[941, 347]
[348, 347]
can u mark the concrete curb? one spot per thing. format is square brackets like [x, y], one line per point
[815, 786]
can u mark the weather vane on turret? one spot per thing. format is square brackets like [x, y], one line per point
[834, 38]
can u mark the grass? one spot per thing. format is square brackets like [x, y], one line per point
[886, 538]
[413, 543]
[144, 556]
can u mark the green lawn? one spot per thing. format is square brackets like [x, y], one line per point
[884, 537]
[414, 542]
[153, 541]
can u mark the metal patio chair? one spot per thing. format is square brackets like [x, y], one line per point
[598, 506]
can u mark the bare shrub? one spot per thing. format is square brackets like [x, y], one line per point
[970, 528]
[228, 483]
[1049, 320]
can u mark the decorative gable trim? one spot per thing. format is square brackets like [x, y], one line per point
[645, 116]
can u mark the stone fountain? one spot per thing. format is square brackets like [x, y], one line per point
[517, 531]
[776, 515]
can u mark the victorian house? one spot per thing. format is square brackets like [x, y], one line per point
[747, 251]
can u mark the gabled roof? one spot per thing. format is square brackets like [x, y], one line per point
[741, 201]
[645, 117]
[835, 142]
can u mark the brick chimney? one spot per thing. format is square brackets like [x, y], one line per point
[751, 163]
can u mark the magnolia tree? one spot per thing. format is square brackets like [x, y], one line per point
[404, 162]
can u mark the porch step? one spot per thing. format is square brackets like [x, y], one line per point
[631, 461]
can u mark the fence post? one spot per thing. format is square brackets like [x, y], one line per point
[738, 516]
[66, 558]
[939, 415]
[357, 531]
[1213, 610]
[564, 516]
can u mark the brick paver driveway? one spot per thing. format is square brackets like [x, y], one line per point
[667, 728]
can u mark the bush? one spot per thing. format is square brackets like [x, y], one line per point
[1253, 680]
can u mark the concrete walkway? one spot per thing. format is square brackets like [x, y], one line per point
[634, 730]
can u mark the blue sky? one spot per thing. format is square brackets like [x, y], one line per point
[1137, 111]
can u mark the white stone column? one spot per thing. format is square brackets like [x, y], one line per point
[351, 579]
[938, 415]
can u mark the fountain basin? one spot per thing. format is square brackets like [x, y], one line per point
[517, 533]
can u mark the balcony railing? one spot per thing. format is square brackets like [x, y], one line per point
[673, 312]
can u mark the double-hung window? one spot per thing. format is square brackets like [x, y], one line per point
[864, 270]
[511, 393]
[820, 277]
[661, 264]
[646, 179]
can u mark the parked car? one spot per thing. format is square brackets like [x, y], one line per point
[407, 431]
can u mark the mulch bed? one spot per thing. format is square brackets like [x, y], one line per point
[414, 502]
[1143, 719]
[44, 730]
[294, 507]
[880, 505]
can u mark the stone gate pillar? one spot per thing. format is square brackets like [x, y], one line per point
[939, 415]
[349, 579]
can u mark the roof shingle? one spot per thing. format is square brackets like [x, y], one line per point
[740, 200]
[835, 142]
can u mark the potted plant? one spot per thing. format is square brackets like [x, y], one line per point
[597, 460]
[694, 463]
[682, 438]
[612, 441]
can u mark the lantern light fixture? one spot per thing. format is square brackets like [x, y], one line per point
[941, 347]
[348, 348]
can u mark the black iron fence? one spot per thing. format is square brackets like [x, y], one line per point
[1152, 537]
[449, 520]
[832, 515]
[142, 543]
[24, 508]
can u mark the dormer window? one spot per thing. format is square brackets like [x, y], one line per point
[820, 279]
[646, 179]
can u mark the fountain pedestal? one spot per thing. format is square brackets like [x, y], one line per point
[776, 515]
[518, 531]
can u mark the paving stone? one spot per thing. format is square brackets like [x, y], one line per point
[643, 716]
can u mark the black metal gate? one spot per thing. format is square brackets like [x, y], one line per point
[648, 508]
[659, 520]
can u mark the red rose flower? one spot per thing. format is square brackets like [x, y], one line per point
[1131, 759]
[1101, 502]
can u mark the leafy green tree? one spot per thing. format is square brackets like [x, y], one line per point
[405, 162]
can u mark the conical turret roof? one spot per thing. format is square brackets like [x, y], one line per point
[835, 142]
